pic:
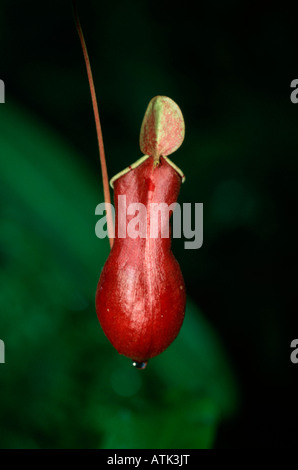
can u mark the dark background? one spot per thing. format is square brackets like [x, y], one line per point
[229, 67]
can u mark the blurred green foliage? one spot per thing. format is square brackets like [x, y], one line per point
[227, 380]
[63, 384]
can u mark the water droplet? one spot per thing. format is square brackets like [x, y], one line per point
[140, 365]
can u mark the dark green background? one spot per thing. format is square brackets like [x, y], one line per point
[227, 380]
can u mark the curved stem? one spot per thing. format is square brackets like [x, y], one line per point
[105, 179]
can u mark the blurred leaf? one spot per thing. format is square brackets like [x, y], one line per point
[63, 384]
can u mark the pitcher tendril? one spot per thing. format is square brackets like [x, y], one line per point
[105, 179]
